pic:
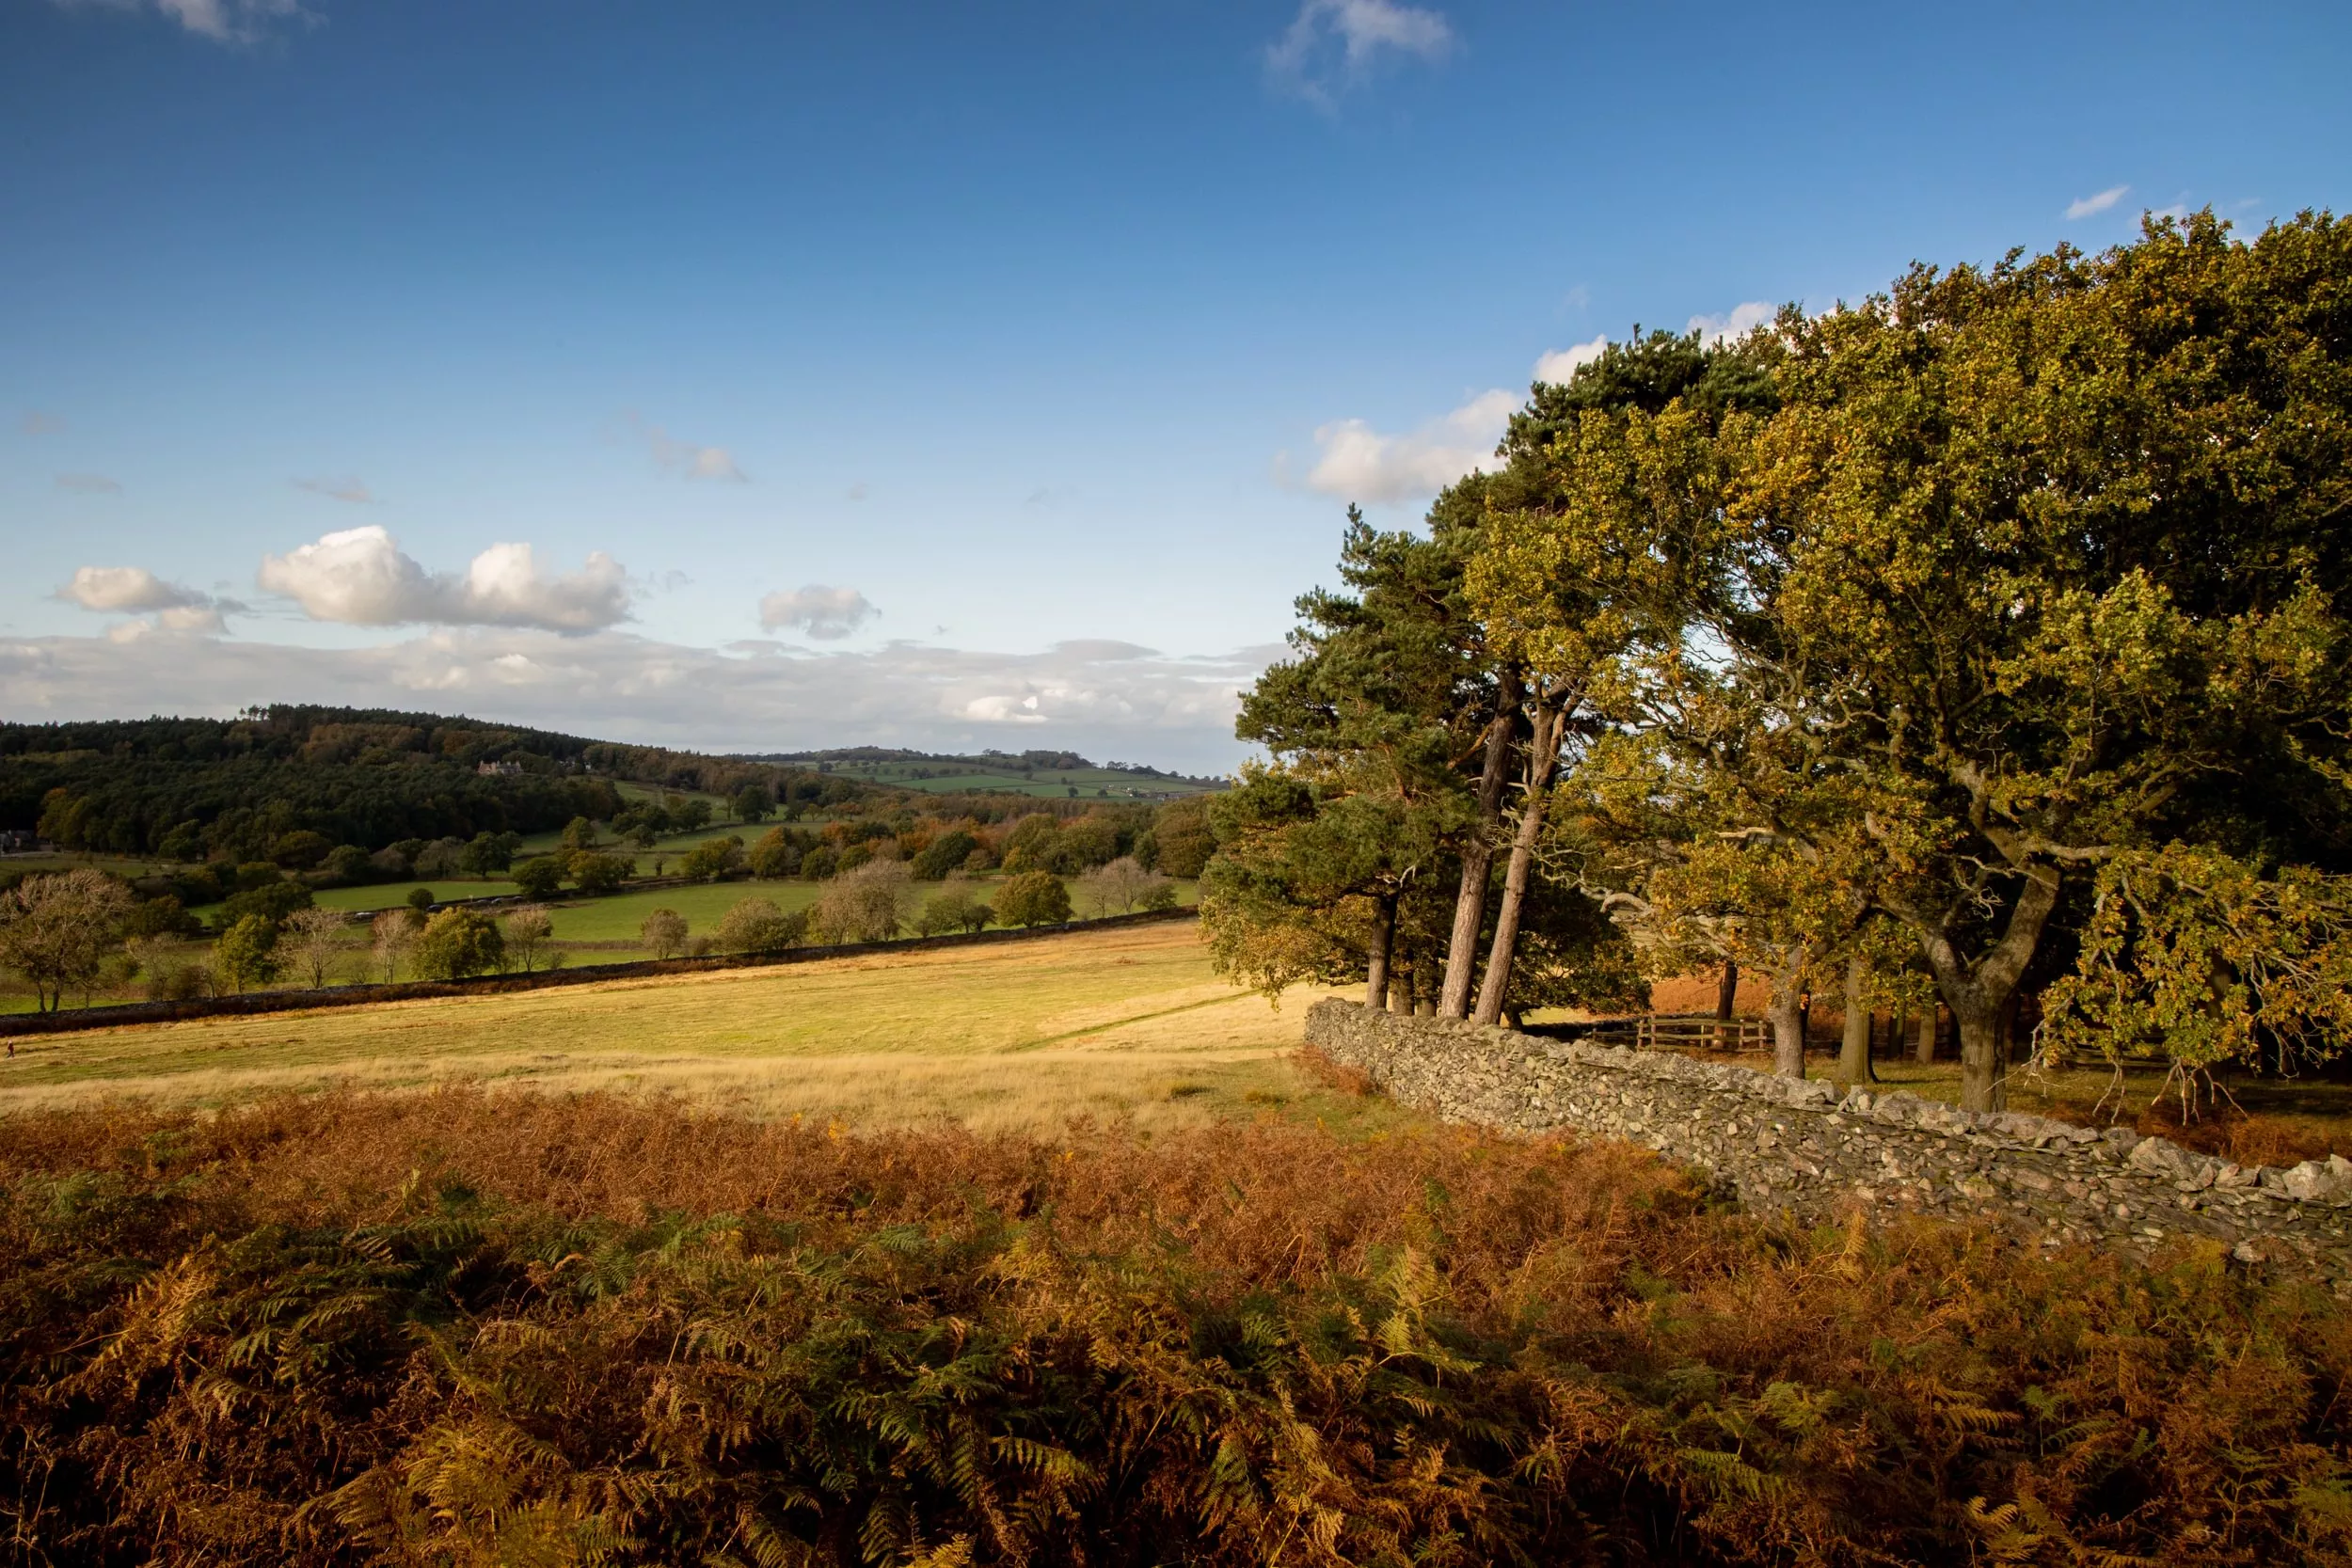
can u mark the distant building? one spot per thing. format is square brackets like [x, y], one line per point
[498, 770]
[19, 841]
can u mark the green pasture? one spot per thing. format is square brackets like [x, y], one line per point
[388, 895]
[1056, 783]
[616, 918]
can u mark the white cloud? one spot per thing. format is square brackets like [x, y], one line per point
[348, 488]
[684, 458]
[2083, 207]
[126, 590]
[136, 591]
[1101, 698]
[222, 21]
[1737, 323]
[90, 485]
[1561, 363]
[1358, 463]
[360, 577]
[826, 613]
[1333, 44]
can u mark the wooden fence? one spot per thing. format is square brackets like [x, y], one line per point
[1684, 1031]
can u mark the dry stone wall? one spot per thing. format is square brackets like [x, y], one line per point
[1804, 1147]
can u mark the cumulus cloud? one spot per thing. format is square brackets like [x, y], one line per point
[826, 613]
[90, 485]
[136, 591]
[222, 21]
[348, 488]
[1561, 363]
[1333, 44]
[1359, 463]
[684, 458]
[2085, 206]
[360, 577]
[1738, 321]
[1101, 698]
[126, 590]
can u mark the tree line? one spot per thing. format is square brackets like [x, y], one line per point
[191, 789]
[1976, 646]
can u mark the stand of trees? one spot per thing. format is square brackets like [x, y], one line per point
[1982, 637]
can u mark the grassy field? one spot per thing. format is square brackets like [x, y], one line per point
[388, 896]
[1111, 1023]
[1089, 782]
[617, 918]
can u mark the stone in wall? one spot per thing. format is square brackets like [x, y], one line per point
[1802, 1146]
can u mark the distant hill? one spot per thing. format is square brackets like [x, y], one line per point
[1044, 774]
[188, 788]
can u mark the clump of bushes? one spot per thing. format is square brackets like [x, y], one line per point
[454, 1327]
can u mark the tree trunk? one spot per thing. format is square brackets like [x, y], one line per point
[1726, 997]
[1929, 1020]
[1981, 1085]
[1853, 1056]
[1543, 762]
[1976, 992]
[1788, 1032]
[1478, 855]
[1376, 960]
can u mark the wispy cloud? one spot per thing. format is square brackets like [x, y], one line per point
[684, 458]
[1333, 44]
[1738, 321]
[827, 614]
[1104, 698]
[348, 488]
[360, 577]
[222, 21]
[90, 485]
[38, 424]
[2083, 207]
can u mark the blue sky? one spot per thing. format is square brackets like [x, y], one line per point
[935, 376]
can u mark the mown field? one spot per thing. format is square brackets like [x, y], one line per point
[1127, 1023]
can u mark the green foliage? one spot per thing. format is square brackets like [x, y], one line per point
[754, 803]
[664, 933]
[2191, 953]
[301, 849]
[756, 925]
[59, 930]
[458, 943]
[273, 903]
[1033, 898]
[945, 853]
[595, 873]
[954, 908]
[1181, 839]
[777, 854]
[421, 901]
[185, 788]
[437, 1330]
[246, 957]
[712, 859]
[539, 877]
[1029, 847]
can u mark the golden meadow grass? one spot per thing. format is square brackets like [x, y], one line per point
[1123, 1022]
